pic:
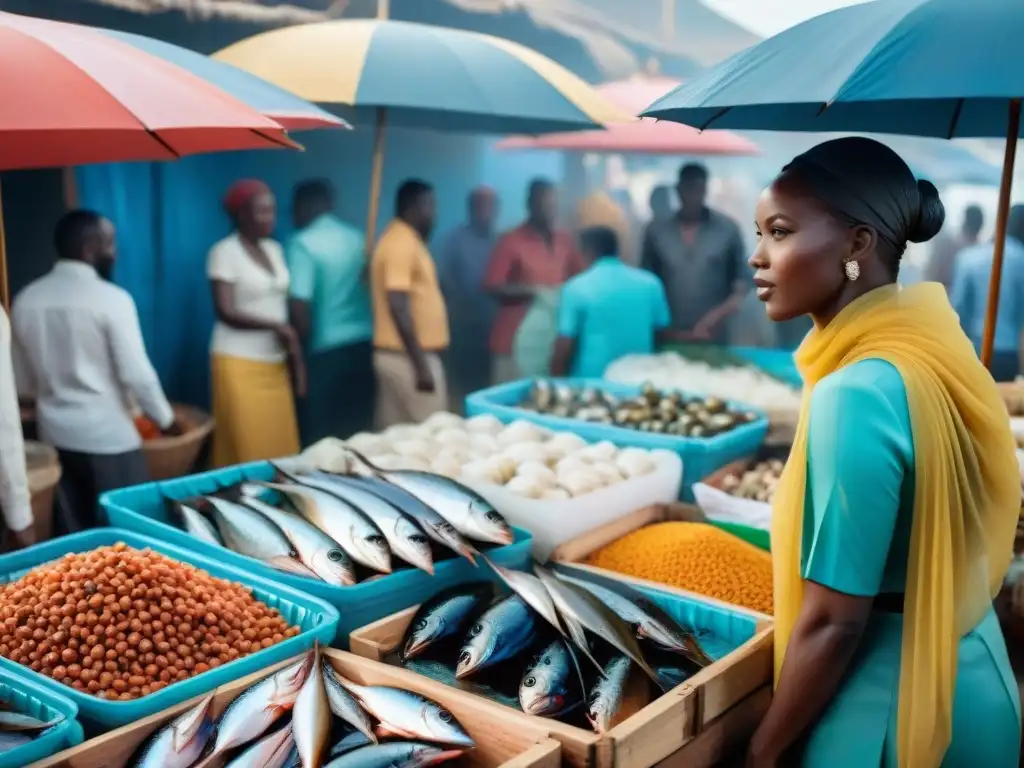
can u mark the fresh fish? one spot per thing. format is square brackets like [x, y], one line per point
[396, 754]
[606, 696]
[311, 717]
[342, 522]
[442, 673]
[435, 526]
[652, 622]
[469, 512]
[445, 614]
[180, 743]
[406, 539]
[16, 721]
[503, 631]
[195, 523]
[318, 552]
[591, 614]
[344, 705]
[271, 751]
[292, 566]
[257, 708]
[350, 741]
[671, 675]
[14, 739]
[547, 688]
[246, 532]
[408, 715]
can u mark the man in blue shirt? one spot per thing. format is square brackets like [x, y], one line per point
[330, 309]
[969, 296]
[608, 311]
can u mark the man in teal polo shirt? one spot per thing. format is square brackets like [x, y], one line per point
[608, 311]
[330, 308]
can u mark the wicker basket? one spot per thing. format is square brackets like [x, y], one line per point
[43, 467]
[169, 457]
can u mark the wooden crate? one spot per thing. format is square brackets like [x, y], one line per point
[500, 742]
[650, 735]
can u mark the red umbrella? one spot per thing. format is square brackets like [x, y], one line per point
[644, 136]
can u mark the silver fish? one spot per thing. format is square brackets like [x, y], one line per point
[16, 721]
[342, 522]
[652, 622]
[180, 743]
[197, 525]
[257, 708]
[435, 526]
[311, 717]
[246, 532]
[499, 634]
[406, 539]
[445, 614]
[293, 566]
[396, 754]
[590, 613]
[350, 741]
[409, 715]
[318, 552]
[269, 752]
[547, 688]
[344, 705]
[606, 696]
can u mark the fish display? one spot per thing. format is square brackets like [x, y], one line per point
[498, 635]
[344, 705]
[271, 751]
[445, 615]
[195, 523]
[179, 744]
[607, 694]
[398, 754]
[548, 687]
[18, 729]
[247, 532]
[311, 716]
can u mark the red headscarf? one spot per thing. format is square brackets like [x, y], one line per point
[241, 193]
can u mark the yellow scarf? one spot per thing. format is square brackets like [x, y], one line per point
[966, 496]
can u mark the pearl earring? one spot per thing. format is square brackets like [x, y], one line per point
[852, 269]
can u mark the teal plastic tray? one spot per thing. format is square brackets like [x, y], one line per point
[143, 509]
[33, 700]
[701, 456]
[317, 619]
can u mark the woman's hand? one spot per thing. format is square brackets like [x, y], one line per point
[760, 756]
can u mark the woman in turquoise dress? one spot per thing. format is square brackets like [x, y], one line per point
[831, 228]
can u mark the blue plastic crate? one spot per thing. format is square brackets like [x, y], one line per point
[142, 508]
[35, 701]
[701, 456]
[317, 620]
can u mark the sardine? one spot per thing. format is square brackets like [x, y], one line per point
[344, 705]
[180, 743]
[246, 532]
[318, 551]
[408, 715]
[293, 566]
[196, 524]
[16, 721]
[652, 622]
[446, 614]
[311, 717]
[257, 708]
[607, 694]
[349, 742]
[547, 688]
[14, 739]
[406, 539]
[396, 754]
[591, 614]
[503, 631]
[435, 526]
[271, 751]
[342, 522]
[442, 673]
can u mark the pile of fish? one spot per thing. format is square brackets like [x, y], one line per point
[338, 527]
[18, 729]
[307, 716]
[562, 646]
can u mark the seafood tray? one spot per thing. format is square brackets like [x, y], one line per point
[317, 620]
[499, 742]
[701, 455]
[30, 699]
[741, 643]
[143, 508]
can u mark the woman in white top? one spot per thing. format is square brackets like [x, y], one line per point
[256, 356]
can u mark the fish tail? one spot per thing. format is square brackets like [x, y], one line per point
[364, 461]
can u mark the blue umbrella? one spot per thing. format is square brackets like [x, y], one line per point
[944, 68]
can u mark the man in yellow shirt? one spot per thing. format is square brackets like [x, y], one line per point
[410, 321]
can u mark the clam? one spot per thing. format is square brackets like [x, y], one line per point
[540, 395]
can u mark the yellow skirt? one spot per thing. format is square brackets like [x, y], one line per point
[254, 410]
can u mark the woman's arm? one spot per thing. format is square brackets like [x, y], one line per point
[224, 306]
[823, 642]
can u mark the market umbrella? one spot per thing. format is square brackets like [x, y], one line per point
[945, 68]
[421, 76]
[643, 137]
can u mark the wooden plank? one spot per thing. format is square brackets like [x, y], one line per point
[724, 741]
[382, 636]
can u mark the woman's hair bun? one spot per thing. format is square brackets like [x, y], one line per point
[931, 216]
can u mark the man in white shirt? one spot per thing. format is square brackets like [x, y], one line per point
[79, 354]
[15, 501]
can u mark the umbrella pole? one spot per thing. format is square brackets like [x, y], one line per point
[377, 169]
[1002, 219]
[5, 292]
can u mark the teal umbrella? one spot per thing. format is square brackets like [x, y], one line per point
[945, 68]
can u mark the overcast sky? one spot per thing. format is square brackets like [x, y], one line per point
[768, 17]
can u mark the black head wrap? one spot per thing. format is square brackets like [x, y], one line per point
[866, 183]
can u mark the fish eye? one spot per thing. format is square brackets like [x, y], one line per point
[530, 682]
[377, 541]
[444, 716]
[476, 629]
[493, 516]
[335, 555]
[547, 660]
[421, 624]
[418, 539]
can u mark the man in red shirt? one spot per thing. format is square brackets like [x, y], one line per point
[534, 255]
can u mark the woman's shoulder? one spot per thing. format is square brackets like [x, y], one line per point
[863, 388]
[228, 246]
